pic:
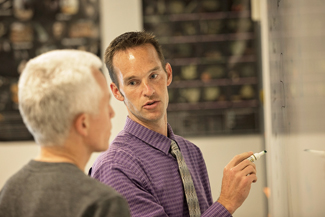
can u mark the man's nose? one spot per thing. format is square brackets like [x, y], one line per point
[148, 89]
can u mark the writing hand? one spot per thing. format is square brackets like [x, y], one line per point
[238, 175]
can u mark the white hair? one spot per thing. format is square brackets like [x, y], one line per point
[53, 89]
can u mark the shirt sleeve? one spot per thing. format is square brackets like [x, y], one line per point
[141, 202]
[134, 189]
[216, 210]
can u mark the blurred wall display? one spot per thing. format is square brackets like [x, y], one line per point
[29, 28]
[213, 49]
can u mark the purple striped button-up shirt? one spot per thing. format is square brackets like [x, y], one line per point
[138, 165]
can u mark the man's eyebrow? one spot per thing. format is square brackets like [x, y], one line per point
[154, 69]
[133, 77]
[129, 78]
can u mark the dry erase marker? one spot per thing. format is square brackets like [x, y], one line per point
[256, 156]
[319, 153]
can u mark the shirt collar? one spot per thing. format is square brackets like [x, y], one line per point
[150, 137]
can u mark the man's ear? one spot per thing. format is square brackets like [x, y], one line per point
[169, 72]
[116, 92]
[81, 124]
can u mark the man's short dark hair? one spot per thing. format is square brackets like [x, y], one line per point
[129, 40]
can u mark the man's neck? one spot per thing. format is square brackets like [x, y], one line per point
[62, 154]
[159, 126]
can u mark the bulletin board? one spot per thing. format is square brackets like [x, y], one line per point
[213, 48]
[29, 28]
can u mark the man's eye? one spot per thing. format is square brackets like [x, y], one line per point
[132, 83]
[154, 75]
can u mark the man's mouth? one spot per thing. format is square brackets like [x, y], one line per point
[150, 104]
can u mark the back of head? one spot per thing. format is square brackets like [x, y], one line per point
[126, 41]
[53, 89]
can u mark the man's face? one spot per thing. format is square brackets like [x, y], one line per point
[142, 83]
[100, 123]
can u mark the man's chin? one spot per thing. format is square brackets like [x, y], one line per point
[151, 118]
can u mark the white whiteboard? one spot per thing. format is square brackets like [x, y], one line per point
[293, 44]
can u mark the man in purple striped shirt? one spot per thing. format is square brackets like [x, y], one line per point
[138, 163]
